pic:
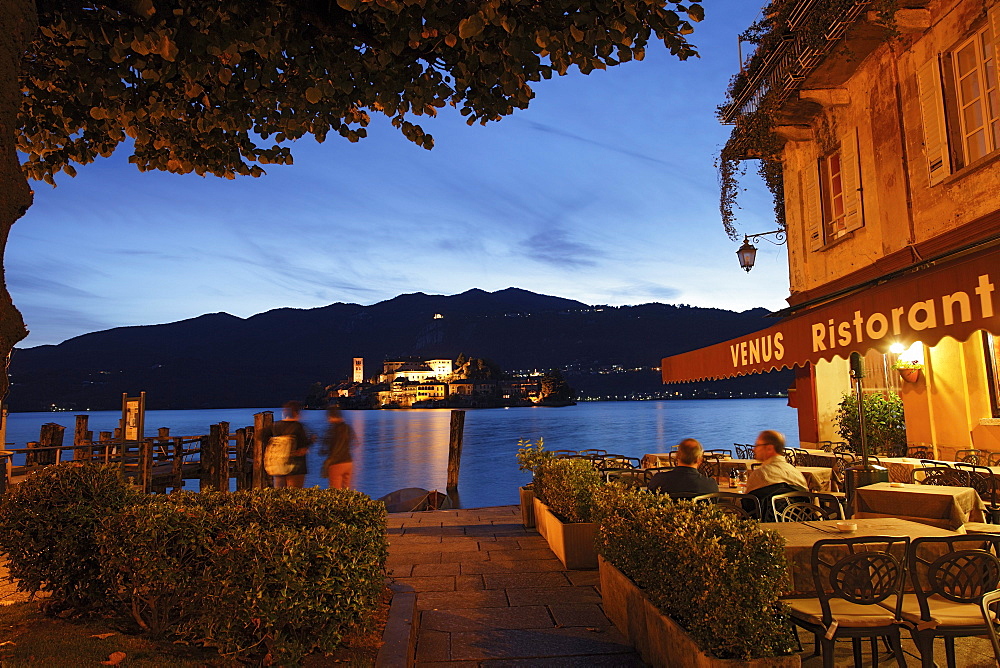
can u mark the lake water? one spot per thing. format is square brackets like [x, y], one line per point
[409, 448]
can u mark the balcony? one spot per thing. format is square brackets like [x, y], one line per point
[785, 65]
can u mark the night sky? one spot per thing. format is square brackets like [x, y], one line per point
[604, 191]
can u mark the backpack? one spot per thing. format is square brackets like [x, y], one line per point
[278, 455]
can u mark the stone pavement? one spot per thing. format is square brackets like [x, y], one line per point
[491, 593]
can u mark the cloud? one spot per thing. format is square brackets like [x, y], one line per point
[642, 291]
[541, 127]
[19, 281]
[554, 247]
[55, 324]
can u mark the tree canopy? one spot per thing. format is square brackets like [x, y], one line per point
[216, 87]
[220, 86]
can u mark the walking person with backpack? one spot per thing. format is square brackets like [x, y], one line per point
[286, 444]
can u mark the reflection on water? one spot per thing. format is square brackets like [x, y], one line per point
[409, 448]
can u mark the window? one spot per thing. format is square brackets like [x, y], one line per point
[960, 102]
[991, 344]
[833, 194]
[978, 105]
[834, 220]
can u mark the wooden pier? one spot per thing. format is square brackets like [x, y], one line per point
[155, 463]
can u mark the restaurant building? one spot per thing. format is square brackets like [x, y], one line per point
[888, 145]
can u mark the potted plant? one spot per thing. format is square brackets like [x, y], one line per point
[909, 371]
[674, 581]
[530, 457]
[564, 502]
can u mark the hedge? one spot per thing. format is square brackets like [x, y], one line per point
[717, 576]
[263, 575]
[47, 530]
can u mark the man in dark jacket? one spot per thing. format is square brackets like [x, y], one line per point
[685, 477]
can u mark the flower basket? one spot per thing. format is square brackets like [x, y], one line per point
[909, 375]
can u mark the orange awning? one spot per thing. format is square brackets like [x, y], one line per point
[955, 298]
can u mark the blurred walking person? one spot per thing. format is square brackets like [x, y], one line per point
[287, 444]
[338, 464]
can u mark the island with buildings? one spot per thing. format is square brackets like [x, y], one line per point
[465, 382]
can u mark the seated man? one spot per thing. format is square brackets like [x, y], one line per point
[685, 477]
[775, 475]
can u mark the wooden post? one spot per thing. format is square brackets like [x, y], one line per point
[455, 449]
[222, 457]
[261, 421]
[81, 440]
[240, 465]
[145, 477]
[178, 472]
[31, 458]
[206, 459]
[4, 474]
[51, 436]
[105, 440]
[163, 441]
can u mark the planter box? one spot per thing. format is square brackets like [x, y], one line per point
[527, 507]
[573, 543]
[659, 640]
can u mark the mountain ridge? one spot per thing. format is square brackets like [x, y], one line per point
[219, 360]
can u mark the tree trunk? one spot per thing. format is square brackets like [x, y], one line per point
[18, 23]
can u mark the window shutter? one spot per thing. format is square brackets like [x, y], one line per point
[932, 113]
[994, 17]
[850, 169]
[813, 207]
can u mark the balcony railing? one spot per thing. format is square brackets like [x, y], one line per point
[787, 65]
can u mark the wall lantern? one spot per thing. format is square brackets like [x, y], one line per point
[748, 252]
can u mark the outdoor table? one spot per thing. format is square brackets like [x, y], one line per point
[801, 536]
[727, 465]
[655, 459]
[819, 458]
[820, 478]
[946, 507]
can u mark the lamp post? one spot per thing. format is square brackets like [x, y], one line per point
[748, 252]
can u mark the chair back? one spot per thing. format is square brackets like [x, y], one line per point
[944, 476]
[991, 613]
[768, 492]
[565, 454]
[802, 512]
[711, 465]
[864, 570]
[743, 450]
[973, 456]
[741, 505]
[981, 479]
[960, 569]
[593, 451]
[722, 452]
[630, 477]
[919, 452]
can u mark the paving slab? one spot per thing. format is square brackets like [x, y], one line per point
[525, 580]
[435, 600]
[512, 566]
[578, 614]
[484, 619]
[536, 643]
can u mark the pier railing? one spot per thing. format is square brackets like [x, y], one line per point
[154, 463]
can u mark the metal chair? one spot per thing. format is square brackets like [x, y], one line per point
[630, 477]
[617, 462]
[593, 451]
[973, 456]
[827, 501]
[647, 474]
[919, 452]
[981, 479]
[565, 454]
[991, 613]
[722, 452]
[950, 576]
[743, 450]
[857, 582]
[802, 512]
[711, 465]
[944, 476]
[741, 505]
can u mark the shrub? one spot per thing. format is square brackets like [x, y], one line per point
[259, 574]
[717, 576]
[567, 487]
[530, 457]
[47, 525]
[884, 421]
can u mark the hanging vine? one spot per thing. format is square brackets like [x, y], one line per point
[753, 136]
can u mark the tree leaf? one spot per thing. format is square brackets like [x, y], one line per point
[471, 26]
[313, 94]
[348, 5]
